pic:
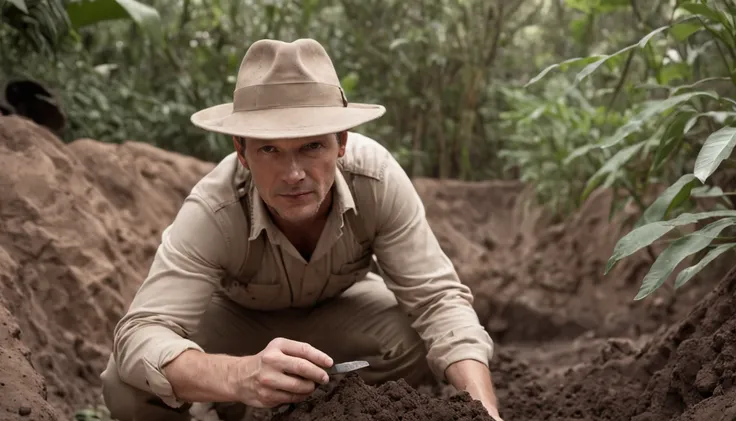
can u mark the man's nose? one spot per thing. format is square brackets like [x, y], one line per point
[294, 172]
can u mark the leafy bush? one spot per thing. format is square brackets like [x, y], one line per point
[688, 130]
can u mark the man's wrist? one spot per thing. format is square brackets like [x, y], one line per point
[198, 377]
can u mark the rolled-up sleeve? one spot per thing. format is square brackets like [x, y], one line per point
[423, 278]
[166, 309]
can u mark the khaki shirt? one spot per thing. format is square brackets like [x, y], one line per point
[206, 248]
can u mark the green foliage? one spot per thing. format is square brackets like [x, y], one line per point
[100, 413]
[89, 12]
[432, 63]
[659, 141]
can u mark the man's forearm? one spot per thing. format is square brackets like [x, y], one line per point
[199, 377]
[475, 378]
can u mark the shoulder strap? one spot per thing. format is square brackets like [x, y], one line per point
[358, 222]
[254, 254]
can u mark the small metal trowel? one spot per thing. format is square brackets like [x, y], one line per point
[346, 367]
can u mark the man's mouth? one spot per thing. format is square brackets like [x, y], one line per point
[295, 195]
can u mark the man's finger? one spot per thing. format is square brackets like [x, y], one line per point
[303, 368]
[278, 397]
[291, 384]
[306, 351]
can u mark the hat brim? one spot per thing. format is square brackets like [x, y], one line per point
[282, 123]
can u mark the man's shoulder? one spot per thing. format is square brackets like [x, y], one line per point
[220, 187]
[366, 157]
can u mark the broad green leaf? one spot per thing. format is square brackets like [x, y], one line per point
[707, 191]
[670, 198]
[687, 273]
[595, 65]
[635, 123]
[562, 66]
[611, 166]
[675, 71]
[677, 89]
[671, 139]
[578, 27]
[717, 147]
[681, 31]
[706, 11]
[89, 12]
[677, 251]
[649, 233]
[20, 4]
[719, 117]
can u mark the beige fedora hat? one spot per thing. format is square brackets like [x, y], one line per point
[286, 90]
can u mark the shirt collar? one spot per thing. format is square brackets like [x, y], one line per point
[260, 217]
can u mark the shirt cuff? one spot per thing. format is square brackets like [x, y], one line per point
[470, 343]
[154, 375]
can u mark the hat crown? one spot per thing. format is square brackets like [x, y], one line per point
[277, 74]
[273, 62]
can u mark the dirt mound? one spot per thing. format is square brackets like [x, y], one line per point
[352, 399]
[537, 280]
[686, 374]
[79, 224]
[694, 364]
[22, 390]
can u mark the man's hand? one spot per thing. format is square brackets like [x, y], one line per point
[475, 378]
[285, 371]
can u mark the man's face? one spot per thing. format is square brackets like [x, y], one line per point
[293, 176]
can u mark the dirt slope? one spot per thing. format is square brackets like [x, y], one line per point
[23, 393]
[80, 224]
[536, 281]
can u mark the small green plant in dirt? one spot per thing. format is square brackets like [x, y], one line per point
[99, 413]
[679, 136]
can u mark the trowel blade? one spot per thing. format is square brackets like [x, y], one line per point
[347, 367]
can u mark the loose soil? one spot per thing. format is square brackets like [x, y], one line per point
[392, 401]
[79, 224]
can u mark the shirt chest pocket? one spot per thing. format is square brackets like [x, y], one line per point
[347, 274]
[257, 295]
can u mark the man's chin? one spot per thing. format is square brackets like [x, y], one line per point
[298, 216]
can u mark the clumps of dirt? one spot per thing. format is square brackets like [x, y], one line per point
[687, 373]
[693, 366]
[351, 398]
[79, 224]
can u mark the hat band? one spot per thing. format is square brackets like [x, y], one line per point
[288, 95]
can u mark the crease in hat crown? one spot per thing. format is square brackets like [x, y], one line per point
[276, 74]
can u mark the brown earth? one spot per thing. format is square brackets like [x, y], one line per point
[80, 224]
[392, 401]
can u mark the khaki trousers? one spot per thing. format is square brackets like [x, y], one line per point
[363, 323]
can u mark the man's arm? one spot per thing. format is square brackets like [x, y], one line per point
[475, 378]
[167, 307]
[428, 288]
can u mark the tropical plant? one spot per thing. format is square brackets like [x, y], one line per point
[690, 116]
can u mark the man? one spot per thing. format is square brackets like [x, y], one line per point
[267, 275]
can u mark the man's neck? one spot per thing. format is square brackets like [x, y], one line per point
[304, 235]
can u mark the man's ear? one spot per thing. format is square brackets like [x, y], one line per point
[342, 139]
[239, 144]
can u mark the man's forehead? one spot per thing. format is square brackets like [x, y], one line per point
[291, 142]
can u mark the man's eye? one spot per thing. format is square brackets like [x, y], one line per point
[268, 149]
[312, 146]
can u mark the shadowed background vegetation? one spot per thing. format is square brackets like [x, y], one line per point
[567, 95]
